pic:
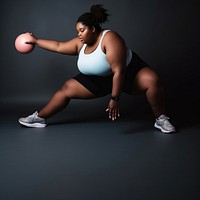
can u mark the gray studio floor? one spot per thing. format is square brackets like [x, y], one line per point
[87, 157]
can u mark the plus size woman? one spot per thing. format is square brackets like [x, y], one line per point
[107, 67]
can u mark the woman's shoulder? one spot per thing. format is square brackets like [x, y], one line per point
[112, 36]
[110, 32]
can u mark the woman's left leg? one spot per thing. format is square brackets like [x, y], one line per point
[147, 81]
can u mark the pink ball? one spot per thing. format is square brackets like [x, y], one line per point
[20, 43]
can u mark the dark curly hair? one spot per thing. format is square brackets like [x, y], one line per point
[97, 16]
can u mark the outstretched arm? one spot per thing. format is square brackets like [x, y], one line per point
[70, 47]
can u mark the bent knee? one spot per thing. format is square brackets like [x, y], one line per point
[66, 85]
[67, 88]
[152, 80]
[147, 78]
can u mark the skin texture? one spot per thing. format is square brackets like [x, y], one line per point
[146, 80]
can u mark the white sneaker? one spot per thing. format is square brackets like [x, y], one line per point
[33, 121]
[164, 125]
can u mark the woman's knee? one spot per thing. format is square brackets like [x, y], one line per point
[66, 88]
[66, 85]
[146, 79]
[153, 80]
[149, 79]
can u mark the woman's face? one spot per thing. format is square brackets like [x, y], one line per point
[85, 34]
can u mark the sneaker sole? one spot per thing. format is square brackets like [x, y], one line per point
[163, 130]
[34, 125]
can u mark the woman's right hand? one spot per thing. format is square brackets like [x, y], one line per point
[32, 39]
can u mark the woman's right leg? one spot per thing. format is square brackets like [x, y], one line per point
[71, 89]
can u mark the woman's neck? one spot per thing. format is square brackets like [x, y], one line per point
[95, 39]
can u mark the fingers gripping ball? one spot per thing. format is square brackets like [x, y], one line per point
[21, 45]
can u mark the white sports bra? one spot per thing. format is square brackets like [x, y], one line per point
[96, 63]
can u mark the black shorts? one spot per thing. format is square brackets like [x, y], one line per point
[102, 86]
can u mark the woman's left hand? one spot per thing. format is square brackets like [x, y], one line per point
[113, 110]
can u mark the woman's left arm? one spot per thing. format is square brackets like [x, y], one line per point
[116, 52]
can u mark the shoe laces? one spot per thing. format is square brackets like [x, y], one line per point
[33, 115]
[165, 120]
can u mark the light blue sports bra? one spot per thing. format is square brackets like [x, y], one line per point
[96, 63]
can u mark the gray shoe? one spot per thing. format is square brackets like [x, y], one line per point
[164, 125]
[33, 121]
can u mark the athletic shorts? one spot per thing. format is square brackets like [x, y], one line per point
[102, 85]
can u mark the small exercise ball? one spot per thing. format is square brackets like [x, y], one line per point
[21, 45]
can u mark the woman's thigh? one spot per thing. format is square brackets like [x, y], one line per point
[73, 89]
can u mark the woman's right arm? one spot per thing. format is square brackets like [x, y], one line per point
[70, 47]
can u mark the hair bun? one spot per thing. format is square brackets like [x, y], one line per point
[96, 8]
[97, 16]
[99, 13]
